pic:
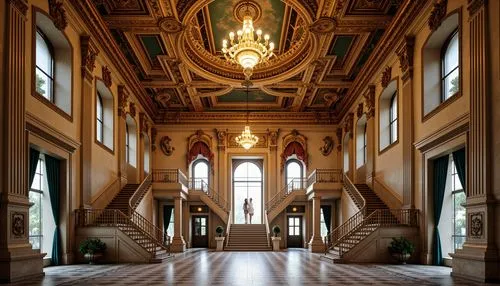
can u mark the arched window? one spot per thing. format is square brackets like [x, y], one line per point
[361, 141]
[127, 144]
[294, 172]
[450, 67]
[364, 145]
[393, 119]
[44, 69]
[200, 174]
[99, 118]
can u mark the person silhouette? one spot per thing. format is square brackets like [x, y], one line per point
[245, 210]
[250, 210]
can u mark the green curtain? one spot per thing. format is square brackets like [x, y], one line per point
[459, 160]
[439, 186]
[327, 215]
[34, 156]
[52, 166]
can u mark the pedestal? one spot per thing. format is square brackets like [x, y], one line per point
[178, 244]
[220, 243]
[316, 245]
[276, 243]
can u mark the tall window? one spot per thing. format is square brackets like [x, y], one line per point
[99, 118]
[44, 70]
[247, 183]
[294, 173]
[364, 144]
[393, 118]
[449, 67]
[127, 144]
[458, 198]
[200, 174]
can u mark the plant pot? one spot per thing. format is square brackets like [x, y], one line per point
[401, 258]
[276, 243]
[93, 258]
[220, 243]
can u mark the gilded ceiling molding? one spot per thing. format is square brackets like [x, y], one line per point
[438, 14]
[221, 139]
[338, 132]
[370, 101]
[474, 6]
[58, 14]
[122, 101]
[154, 134]
[294, 143]
[386, 76]
[89, 52]
[20, 5]
[405, 54]
[348, 123]
[170, 25]
[131, 109]
[183, 7]
[106, 76]
[359, 110]
[323, 25]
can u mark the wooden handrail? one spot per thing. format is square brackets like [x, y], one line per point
[268, 234]
[140, 192]
[169, 176]
[228, 228]
[216, 197]
[353, 192]
[296, 184]
[325, 176]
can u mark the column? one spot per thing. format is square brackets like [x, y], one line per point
[274, 167]
[479, 259]
[370, 135]
[316, 242]
[89, 52]
[221, 172]
[405, 54]
[178, 243]
[122, 115]
[17, 259]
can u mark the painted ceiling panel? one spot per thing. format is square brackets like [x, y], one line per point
[153, 46]
[239, 95]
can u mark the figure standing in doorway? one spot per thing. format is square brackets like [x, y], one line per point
[245, 210]
[250, 210]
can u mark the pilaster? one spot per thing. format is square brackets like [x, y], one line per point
[479, 259]
[122, 115]
[370, 134]
[316, 242]
[221, 164]
[405, 54]
[17, 259]
[274, 174]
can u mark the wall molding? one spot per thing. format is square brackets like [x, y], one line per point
[43, 130]
[445, 133]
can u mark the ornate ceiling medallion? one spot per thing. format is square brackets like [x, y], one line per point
[323, 25]
[248, 47]
[244, 8]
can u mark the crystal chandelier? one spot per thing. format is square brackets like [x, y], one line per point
[247, 140]
[248, 48]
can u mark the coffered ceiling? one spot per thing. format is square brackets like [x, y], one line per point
[174, 49]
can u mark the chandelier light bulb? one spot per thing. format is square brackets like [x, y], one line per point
[240, 32]
[259, 32]
[266, 37]
[231, 35]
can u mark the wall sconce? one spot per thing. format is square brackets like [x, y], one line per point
[199, 209]
[294, 209]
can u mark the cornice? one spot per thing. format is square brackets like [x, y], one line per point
[97, 27]
[36, 126]
[286, 118]
[395, 32]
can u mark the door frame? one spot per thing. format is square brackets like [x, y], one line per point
[260, 162]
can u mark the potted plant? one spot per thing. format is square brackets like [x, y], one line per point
[276, 239]
[401, 248]
[219, 238]
[92, 249]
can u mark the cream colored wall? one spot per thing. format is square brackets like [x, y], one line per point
[146, 206]
[347, 207]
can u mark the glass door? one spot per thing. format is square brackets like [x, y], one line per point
[247, 184]
[200, 231]
[294, 236]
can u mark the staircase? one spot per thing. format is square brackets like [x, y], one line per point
[214, 200]
[282, 199]
[247, 237]
[121, 200]
[373, 213]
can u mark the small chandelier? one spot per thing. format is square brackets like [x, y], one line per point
[248, 49]
[247, 140]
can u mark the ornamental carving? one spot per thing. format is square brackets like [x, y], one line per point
[221, 138]
[359, 111]
[122, 101]
[58, 14]
[348, 123]
[170, 25]
[131, 109]
[474, 6]
[106, 76]
[273, 137]
[323, 25]
[370, 101]
[294, 143]
[20, 5]
[18, 225]
[327, 147]
[89, 53]
[338, 132]
[165, 146]
[438, 14]
[476, 224]
[386, 76]
[154, 133]
[144, 123]
[200, 143]
[405, 54]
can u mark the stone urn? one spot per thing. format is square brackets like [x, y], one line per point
[276, 243]
[220, 243]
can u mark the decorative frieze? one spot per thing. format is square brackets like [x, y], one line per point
[58, 14]
[438, 14]
[370, 101]
[386, 76]
[359, 110]
[89, 52]
[106, 76]
[405, 54]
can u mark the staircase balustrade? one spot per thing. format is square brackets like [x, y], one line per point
[216, 197]
[268, 232]
[228, 228]
[325, 176]
[169, 176]
[293, 185]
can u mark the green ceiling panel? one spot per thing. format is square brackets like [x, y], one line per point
[223, 21]
[239, 96]
[340, 46]
[153, 46]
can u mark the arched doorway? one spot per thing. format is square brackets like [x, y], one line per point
[247, 183]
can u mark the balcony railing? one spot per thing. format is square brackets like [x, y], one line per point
[294, 185]
[325, 176]
[169, 176]
[201, 185]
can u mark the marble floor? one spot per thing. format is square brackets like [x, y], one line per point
[294, 267]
